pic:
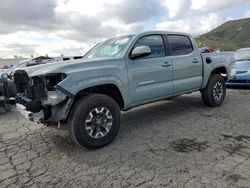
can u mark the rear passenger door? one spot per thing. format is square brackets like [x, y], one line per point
[187, 63]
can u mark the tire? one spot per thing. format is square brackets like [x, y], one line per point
[6, 107]
[215, 92]
[94, 121]
[12, 89]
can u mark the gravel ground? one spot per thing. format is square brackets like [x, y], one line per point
[175, 143]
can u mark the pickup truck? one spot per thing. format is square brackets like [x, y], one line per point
[88, 94]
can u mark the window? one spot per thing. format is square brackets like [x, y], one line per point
[179, 44]
[155, 43]
[111, 48]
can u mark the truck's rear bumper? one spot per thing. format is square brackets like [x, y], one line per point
[36, 117]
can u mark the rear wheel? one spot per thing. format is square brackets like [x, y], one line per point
[94, 121]
[214, 93]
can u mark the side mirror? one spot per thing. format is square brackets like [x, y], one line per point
[140, 51]
[5, 76]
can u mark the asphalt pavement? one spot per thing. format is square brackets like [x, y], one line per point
[172, 143]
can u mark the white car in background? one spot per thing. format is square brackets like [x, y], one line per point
[29, 62]
[22, 64]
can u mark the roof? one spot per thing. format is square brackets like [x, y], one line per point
[164, 32]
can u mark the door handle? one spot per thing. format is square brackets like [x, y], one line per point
[195, 61]
[166, 64]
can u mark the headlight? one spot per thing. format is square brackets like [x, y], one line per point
[53, 79]
[54, 95]
[54, 98]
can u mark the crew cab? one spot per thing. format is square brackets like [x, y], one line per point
[87, 94]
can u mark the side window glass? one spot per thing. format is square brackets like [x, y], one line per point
[156, 44]
[180, 45]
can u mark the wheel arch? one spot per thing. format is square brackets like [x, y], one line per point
[110, 90]
[219, 70]
[222, 70]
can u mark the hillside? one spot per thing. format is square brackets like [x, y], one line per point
[231, 35]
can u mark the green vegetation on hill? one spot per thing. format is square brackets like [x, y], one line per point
[231, 35]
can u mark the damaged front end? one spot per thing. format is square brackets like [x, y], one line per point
[41, 99]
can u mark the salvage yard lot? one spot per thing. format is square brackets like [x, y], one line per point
[178, 142]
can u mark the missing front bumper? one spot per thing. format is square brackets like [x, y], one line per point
[35, 117]
[47, 115]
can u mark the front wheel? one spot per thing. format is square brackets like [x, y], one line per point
[214, 93]
[94, 121]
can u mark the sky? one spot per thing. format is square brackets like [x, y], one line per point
[72, 27]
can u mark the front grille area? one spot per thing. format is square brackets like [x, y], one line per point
[30, 90]
[38, 89]
[21, 80]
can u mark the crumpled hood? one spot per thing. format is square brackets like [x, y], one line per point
[65, 66]
[243, 65]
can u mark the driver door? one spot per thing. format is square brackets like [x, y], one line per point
[150, 77]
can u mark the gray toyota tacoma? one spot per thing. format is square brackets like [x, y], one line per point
[87, 95]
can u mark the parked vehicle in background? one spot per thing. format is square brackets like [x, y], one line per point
[29, 62]
[8, 88]
[88, 94]
[242, 59]
[7, 91]
[207, 50]
[5, 67]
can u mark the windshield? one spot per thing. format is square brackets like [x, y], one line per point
[243, 54]
[111, 48]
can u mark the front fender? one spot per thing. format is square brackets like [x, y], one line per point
[80, 85]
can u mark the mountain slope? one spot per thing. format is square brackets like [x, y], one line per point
[231, 35]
